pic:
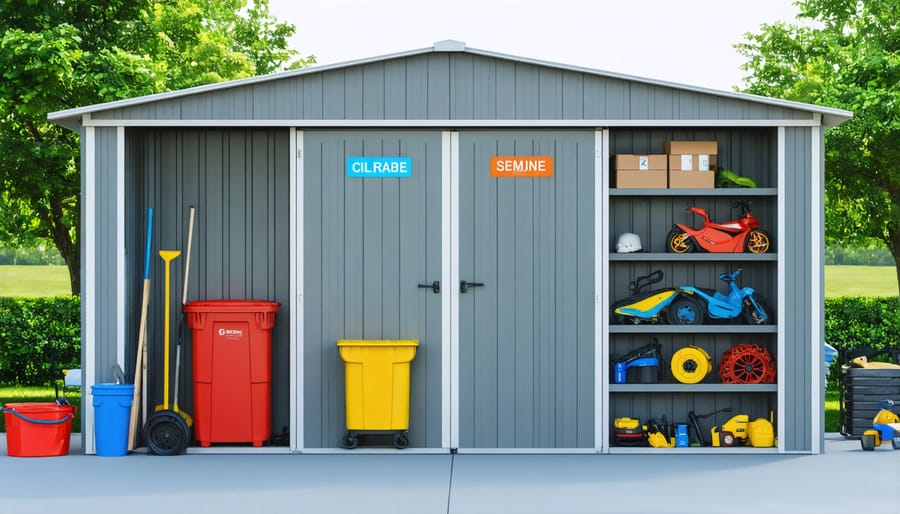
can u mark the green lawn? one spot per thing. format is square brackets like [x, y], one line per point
[832, 411]
[860, 281]
[34, 281]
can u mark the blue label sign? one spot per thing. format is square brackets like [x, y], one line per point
[379, 167]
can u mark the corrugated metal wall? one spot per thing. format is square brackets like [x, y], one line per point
[526, 345]
[239, 182]
[105, 256]
[799, 305]
[452, 86]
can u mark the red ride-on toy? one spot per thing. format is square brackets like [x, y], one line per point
[740, 235]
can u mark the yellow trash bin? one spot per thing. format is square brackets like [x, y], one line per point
[376, 387]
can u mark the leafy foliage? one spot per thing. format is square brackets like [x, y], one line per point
[843, 54]
[861, 322]
[56, 55]
[19, 227]
[39, 337]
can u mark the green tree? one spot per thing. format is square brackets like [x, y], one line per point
[18, 225]
[845, 54]
[61, 54]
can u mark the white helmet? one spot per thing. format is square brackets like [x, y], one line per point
[628, 243]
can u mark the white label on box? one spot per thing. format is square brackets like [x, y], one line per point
[687, 162]
[643, 162]
[703, 165]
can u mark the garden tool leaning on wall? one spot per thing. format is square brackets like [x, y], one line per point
[168, 431]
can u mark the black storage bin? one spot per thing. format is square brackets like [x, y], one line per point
[862, 389]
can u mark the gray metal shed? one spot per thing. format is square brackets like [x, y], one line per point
[520, 364]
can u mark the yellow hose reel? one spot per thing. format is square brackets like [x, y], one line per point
[691, 364]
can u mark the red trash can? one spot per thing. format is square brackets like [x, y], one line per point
[232, 354]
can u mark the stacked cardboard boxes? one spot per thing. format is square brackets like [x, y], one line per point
[641, 171]
[692, 164]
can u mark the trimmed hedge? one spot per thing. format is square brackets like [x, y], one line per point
[39, 337]
[861, 322]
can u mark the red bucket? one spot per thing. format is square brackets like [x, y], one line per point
[41, 429]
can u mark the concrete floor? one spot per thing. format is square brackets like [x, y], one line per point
[843, 480]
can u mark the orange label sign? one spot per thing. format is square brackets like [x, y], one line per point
[536, 166]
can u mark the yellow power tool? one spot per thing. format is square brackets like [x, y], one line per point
[739, 430]
[732, 432]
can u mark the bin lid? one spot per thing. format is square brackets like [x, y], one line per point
[378, 342]
[232, 306]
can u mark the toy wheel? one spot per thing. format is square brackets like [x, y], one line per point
[867, 441]
[401, 440]
[679, 242]
[750, 317]
[747, 364]
[727, 439]
[757, 241]
[684, 311]
[895, 441]
[350, 440]
[166, 433]
[748, 369]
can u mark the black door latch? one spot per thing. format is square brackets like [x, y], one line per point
[435, 286]
[464, 286]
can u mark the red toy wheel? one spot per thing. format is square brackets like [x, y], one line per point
[748, 369]
[747, 364]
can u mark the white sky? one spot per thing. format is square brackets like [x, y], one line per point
[684, 41]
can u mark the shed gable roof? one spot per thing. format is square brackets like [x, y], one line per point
[447, 81]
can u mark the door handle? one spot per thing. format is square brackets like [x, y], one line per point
[434, 286]
[464, 286]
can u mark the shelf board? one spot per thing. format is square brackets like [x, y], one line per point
[759, 191]
[693, 329]
[692, 450]
[693, 388]
[694, 257]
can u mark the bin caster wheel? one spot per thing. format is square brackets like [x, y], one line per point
[167, 433]
[401, 440]
[350, 440]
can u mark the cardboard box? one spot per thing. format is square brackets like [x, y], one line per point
[641, 171]
[691, 147]
[643, 162]
[692, 155]
[650, 179]
[692, 162]
[692, 179]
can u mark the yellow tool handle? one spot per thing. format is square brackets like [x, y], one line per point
[167, 256]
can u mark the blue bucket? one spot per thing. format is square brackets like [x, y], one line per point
[112, 413]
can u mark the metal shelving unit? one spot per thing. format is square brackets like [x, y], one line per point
[651, 211]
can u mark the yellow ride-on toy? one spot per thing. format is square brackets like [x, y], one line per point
[885, 428]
